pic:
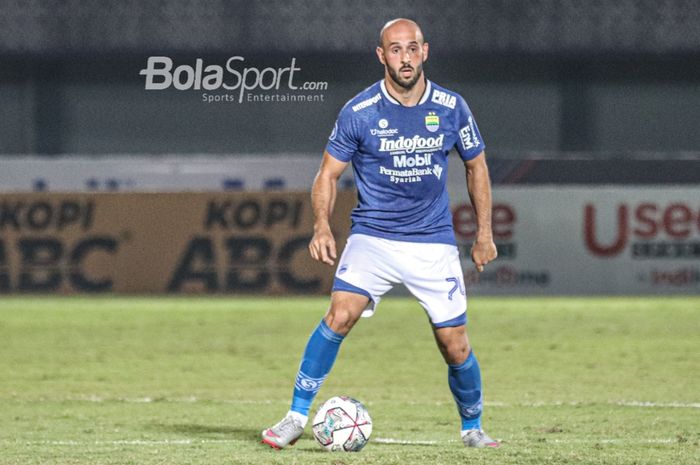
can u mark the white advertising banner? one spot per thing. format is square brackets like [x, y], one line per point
[586, 240]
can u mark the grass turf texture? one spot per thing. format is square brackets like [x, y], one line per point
[115, 380]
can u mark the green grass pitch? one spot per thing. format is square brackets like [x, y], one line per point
[118, 380]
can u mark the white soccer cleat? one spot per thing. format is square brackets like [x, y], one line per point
[477, 438]
[283, 434]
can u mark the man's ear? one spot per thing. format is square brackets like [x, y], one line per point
[425, 51]
[380, 55]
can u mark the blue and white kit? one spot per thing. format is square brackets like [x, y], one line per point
[402, 226]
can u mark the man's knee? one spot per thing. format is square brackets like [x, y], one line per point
[345, 310]
[454, 344]
[340, 320]
[456, 354]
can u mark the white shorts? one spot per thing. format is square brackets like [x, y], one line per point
[371, 266]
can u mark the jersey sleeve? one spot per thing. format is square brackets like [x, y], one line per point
[344, 140]
[469, 142]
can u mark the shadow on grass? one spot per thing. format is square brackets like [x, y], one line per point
[209, 431]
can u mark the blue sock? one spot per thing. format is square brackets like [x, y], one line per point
[465, 384]
[316, 362]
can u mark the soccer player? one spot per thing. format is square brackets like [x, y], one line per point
[397, 134]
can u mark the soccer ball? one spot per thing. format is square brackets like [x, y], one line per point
[342, 424]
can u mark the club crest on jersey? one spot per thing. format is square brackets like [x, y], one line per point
[432, 122]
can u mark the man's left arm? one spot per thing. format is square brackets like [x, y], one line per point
[479, 188]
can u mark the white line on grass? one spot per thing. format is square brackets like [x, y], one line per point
[554, 441]
[379, 440]
[656, 404]
[174, 400]
[134, 442]
[619, 403]
[407, 441]
[194, 399]
[612, 441]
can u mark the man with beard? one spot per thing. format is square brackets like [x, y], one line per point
[397, 134]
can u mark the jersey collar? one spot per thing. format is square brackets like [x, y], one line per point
[423, 99]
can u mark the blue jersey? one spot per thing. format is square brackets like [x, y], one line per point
[399, 157]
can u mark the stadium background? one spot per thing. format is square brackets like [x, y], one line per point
[590, 113]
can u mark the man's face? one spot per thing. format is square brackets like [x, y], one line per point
[403, 52]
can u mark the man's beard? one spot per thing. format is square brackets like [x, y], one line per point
[408, 85]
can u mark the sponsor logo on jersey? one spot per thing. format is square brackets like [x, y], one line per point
[443, 98]
[411, 145]
[367, 103]
[405, 176]
[411, 168]
[410, 175]
[384, 132]
[432, 122]
[405, 161]
[468, 135]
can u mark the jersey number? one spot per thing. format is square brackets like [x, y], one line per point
[456, 284]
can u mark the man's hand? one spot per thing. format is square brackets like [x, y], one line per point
[322, 245]
[483, 252]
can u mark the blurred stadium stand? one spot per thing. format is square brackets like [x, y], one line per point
[488, 26]
[593, 85]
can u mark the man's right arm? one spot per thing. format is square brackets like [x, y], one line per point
[323, 194]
